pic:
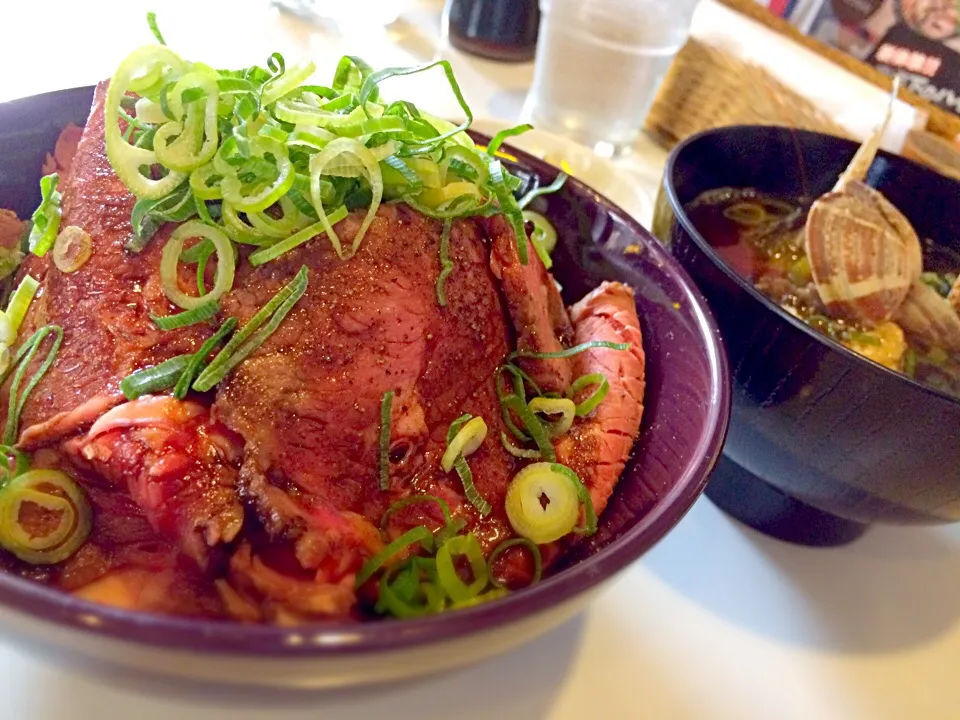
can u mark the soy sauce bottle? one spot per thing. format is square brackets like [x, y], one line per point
[496, 29]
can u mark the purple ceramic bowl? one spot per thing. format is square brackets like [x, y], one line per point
[687, 407]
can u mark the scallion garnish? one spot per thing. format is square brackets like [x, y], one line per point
[497, 140]
[259, 137]
[569, 352]
[589, 404]
[272, 252]
[152, 22]
[521, 453]
[386, 415]
[197, 360]
[154, 379]
[531, 423]
[198, 314]
[446, 264]
[21, 362]
[467, 547]
[506, 545]
[254, 333]
[20, 301]
[553, 187]
[463, 468]
[417, 535]
[46, 218]
[589, 526]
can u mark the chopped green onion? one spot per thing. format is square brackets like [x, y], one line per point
[22, 361]
[553, 187]
[198, 314]
[461, 546]
[154, 379]
[411, 537]
[152, 23]
[543, 237]
[46, 218]
[54, 493]
[468, 439]
[463, 469]
[531, 423]
[588, 405]
[589, 526]
[197, 360]
[563, 407]
[226, 264]
[506, 545]
[538, 521]
[272, 252]
[446, 264]
[521, 453]
[508, 205]
[570, 352]
[398, 597]
[415, 500]
[21, 463]
[386, 410]
[359, 162]
[369, 89]
[72, 249]
[254, 333]
[497, 140]
[20, 301]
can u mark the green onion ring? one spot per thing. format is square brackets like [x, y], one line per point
[400, 608]
[532, 425]
[411, 537]
[272, 252]
[467, 546]
[588, 405]
[171, 257]
[506, 545]
[520, 453]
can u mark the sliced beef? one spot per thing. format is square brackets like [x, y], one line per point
[598, 447]
[178, 466]
[104, 307]
[308, 402]
[535, 305]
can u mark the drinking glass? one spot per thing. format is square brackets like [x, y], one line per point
[599, 64]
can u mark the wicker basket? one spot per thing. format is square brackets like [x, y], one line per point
[706, 88]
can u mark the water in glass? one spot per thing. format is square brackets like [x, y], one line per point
[599, 64]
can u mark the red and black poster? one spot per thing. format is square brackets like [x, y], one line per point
[916, 39]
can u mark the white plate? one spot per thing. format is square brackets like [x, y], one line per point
[598, 172]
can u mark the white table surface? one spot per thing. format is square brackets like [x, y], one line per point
[716, 622]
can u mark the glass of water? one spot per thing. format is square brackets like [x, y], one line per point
[599, 64]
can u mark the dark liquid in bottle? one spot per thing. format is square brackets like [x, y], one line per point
[496, 29]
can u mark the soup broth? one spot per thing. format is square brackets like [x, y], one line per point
[762, 238]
